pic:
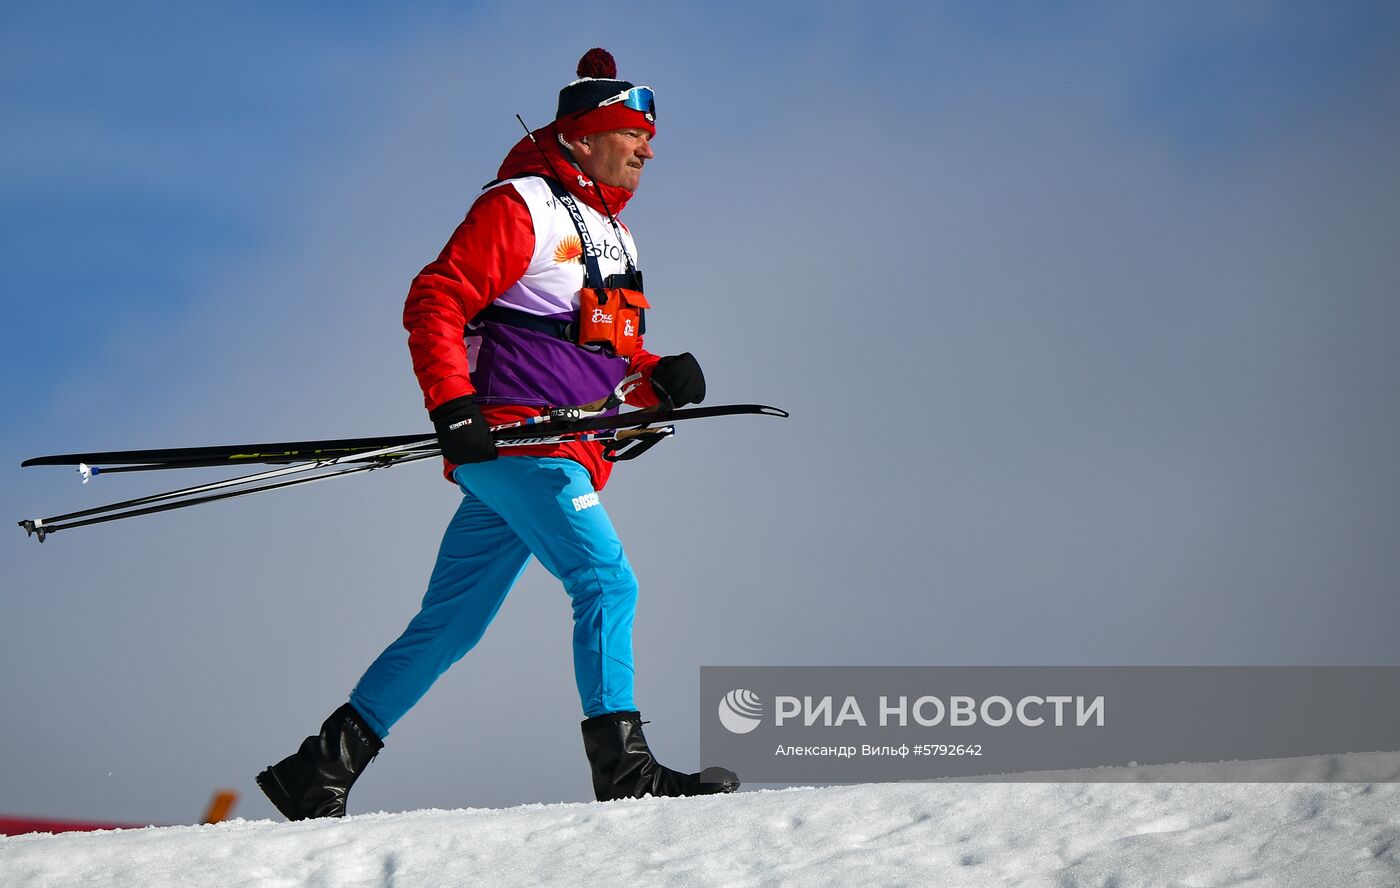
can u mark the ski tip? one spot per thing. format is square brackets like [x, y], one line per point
[765, 410]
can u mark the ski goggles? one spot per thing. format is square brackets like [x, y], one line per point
[638, 98]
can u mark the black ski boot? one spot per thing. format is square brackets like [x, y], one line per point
[623, 766]
[315, 781]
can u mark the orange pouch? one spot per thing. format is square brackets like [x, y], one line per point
[611, 317]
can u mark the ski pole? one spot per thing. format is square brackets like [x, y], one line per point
[171, 500]
[43, 527]
[188, 496]
[639, 429]
[33, 525]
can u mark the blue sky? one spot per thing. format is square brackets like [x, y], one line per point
[1084, 313]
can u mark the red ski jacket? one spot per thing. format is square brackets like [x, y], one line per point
[487, 255]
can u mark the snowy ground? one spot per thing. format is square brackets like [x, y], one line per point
[947, 834]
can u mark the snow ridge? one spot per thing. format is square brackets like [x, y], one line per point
[1056, 835]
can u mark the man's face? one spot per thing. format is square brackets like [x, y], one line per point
[616, 157]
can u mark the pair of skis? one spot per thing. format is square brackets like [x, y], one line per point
[626, 435]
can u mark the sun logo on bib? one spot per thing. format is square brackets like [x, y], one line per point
[569, 249]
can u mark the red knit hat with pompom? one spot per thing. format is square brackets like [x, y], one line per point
[579, 115]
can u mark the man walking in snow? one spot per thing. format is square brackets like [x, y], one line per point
[536, 302]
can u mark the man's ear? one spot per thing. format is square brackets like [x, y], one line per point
[574, 146]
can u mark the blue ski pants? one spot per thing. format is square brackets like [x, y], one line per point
[511, 508]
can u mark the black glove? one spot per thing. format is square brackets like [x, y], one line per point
[462, 431]
[679, 379]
